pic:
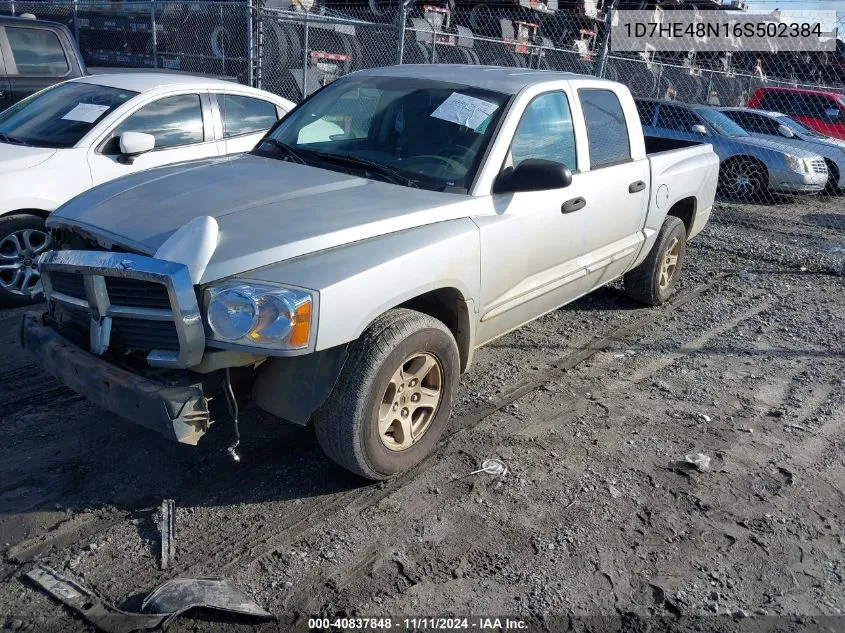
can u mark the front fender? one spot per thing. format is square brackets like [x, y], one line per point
[360, 281]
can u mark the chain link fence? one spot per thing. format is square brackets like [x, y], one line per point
[783, 160]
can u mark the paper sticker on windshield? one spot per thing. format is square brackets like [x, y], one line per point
[465, 110]
[86, 112]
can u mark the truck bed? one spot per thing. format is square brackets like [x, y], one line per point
[681, 170]
[656, 144]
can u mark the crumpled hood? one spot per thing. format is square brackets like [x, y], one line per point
[267, 210]
[17, 157]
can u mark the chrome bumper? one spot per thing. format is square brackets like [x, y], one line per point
[96, 266]
[179, 413]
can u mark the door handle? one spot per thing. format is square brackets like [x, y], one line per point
[635, 187]
[573, 205]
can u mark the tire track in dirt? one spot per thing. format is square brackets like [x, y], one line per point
[307, 596]
[259, 540]
[278, 530]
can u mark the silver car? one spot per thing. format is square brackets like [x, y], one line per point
[749, 165]
[765, 124]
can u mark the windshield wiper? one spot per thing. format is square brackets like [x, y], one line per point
[11, 139]
[296, 156]
[390, 174]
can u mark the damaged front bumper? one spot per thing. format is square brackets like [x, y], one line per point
[178, 412]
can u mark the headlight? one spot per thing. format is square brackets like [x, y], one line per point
[793, 163]
[259, 315]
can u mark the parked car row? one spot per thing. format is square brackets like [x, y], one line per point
[759, 151]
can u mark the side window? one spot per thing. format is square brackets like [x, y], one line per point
[37, 51]
[754, 122]
[764, 124]
[174, 121]
[245, 115]
[779, 102]
[672, 118]
[545, 131]
[817, 106]
[646, 111]
[607, 132]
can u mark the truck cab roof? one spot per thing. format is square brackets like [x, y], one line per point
[495, 78]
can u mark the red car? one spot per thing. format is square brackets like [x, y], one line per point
[820, 110]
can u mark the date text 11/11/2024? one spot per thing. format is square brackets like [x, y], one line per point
[485, 623]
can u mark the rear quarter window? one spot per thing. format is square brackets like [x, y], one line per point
[607, 130]
[37, 51]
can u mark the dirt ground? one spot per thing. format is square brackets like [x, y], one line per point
[593, 408]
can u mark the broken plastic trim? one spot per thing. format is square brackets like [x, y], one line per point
[164, 603]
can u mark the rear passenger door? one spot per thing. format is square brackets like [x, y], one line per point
[617, 186]
[244, 120]
[34, 58]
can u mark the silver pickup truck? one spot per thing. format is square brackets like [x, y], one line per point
[344, 272]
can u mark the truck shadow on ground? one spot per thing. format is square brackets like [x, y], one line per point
[64, 451]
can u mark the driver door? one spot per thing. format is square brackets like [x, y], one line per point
[183, 129]
[531, 248]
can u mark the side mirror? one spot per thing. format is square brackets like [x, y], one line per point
[699, 129]
[533, 174]
[785, 131]
[831, 113]
[133, 144]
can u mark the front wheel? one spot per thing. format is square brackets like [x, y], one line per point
[22, 240]
[393, 397]
[655, 279]
[743, 178]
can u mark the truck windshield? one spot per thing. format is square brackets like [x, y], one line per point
[409, 131]
[59, 116]
[720, 122]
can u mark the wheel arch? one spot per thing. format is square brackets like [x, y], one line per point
[449, 306]
[685, 210]
[41, 213]
[738, 157]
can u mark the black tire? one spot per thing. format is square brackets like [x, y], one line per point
[644, 283]
[17, 225]
[347, 425]
[743, 177]
[832, 187]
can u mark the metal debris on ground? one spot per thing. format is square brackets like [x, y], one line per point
[90, 606]
[164, 603]
[176, 596]
[699, 460]
[168, 541]
[492, 467]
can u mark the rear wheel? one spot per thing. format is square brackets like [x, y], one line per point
[655, 279]
[22, 240]
[393, 397]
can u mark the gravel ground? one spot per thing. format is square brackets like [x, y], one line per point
[593, 408]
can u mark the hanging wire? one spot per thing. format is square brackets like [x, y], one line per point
[232, 405]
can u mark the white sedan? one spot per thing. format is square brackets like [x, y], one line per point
[84, 132]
